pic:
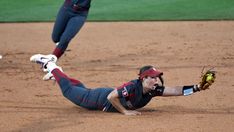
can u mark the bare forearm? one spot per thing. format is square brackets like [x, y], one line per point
[173, 91]
[114, 100]
[179, 90]
[116, 103]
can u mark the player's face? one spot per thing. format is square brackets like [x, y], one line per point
[149, 83]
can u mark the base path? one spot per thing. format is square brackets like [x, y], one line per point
[109, 54]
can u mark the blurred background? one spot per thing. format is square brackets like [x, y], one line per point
[121, 10]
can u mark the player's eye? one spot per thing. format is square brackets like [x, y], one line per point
[153, 77]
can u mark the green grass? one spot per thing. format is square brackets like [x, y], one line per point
[28, 10]
[121, 10]
[163, 10]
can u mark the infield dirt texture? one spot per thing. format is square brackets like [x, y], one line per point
[109, 54]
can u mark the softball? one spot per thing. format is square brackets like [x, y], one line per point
[0, 56]
[209, 77]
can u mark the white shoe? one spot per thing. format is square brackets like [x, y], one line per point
[49, 75]
[43, 59]
[48, 63]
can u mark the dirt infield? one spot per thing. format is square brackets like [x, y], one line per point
[109, 54]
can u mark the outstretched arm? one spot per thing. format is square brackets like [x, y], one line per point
[113, 97]
[208, 79]
[180, 90]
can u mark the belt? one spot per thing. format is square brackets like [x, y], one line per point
[79, 8]
[75, 7]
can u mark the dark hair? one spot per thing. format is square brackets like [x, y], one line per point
[144, 68]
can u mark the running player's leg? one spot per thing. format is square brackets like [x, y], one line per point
[60, 24]
[73, 27]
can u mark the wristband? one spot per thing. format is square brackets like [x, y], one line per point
[187, 90]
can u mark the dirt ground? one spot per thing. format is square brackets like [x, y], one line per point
[109, 54]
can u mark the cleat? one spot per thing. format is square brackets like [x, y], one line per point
[49, 75]
[48, 63]
[43, 60]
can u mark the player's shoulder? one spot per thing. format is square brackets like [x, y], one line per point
[131, 83]
[135, 82]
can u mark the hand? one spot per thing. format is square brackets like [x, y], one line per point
[131, 112]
